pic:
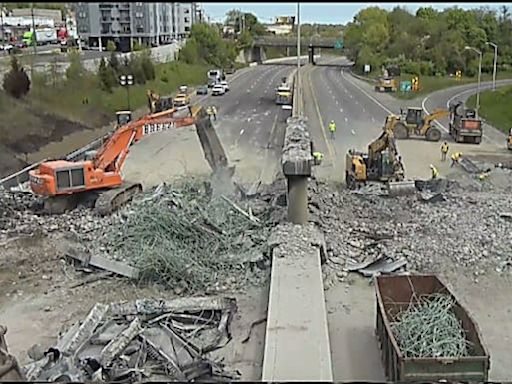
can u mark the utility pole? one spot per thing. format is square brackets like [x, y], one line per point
[34, 35]
[298, 87]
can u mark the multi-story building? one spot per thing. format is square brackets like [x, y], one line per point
[124, 23]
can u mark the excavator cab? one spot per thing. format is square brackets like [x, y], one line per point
[123, 117]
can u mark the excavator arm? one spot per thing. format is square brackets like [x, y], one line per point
[114, 151]
[384, 141]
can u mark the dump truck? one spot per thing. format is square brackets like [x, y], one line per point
[395, 294]
[465, 126]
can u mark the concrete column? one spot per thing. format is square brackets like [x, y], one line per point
[100, 44]
[297, 199]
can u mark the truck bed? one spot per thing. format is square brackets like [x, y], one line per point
[394, 294]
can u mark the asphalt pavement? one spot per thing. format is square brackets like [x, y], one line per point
[249, 124]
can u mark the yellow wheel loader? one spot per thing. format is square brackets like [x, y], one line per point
[414, 122]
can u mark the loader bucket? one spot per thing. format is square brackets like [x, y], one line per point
[396, 188]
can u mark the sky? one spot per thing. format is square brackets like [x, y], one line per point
[322, 13]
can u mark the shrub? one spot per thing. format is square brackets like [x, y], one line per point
[16, 82]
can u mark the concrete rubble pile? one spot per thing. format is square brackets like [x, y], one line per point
[145, 339]
[19, 216]
[459, 230]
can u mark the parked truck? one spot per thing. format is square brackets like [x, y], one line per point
[464, 125]
[42, 36]
[395, 294]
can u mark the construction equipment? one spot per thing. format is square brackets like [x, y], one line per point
[284, 94]
[159, 103]
[401, 295]
[465, 126]
[414, 122]
[9, 367]
[386, 84]
[382, 163]
[97, 179]
[181, 100]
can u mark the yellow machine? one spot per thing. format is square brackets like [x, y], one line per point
[386, 84]
[159, 103]
[181, 100]
[382, 162]
[414, 122]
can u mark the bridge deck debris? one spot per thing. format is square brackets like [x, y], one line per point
[147, 338]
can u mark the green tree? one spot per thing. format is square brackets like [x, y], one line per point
[107, 76]
[111, 46]
[113, 62]
[76, 70]
[16, 82]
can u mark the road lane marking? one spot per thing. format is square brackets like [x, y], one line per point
[368, 95]
[317, 108]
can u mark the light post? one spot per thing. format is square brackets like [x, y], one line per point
[479, 75]
[298, 88]
[495, 63]
[126, 81]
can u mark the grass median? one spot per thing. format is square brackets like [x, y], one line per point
[495, 107]
[429, 84]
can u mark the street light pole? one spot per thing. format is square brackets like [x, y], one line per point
[126, 81]
[479, 76]
[494, 65]
[298, 87]
[34, 35]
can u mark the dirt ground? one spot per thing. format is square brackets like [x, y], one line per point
[39, 298]
[351, 312]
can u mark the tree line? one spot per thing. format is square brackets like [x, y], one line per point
[430, 42]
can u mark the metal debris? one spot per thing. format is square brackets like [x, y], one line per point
[428, 327]
[128, 342]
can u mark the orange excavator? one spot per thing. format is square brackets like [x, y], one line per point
[98, 178]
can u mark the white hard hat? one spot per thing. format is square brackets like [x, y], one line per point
[431, 166]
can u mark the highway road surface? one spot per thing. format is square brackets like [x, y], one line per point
[249, 123]
[360, 112]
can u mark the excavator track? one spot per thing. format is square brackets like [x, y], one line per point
[111, 199]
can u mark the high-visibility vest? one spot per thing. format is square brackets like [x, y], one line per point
[444, 148]
[332, 127]
[456, 156]
[318, 155]
[435, 172]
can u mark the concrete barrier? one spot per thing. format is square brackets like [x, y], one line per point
[297, 346]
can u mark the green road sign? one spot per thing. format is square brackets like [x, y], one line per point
[405, 86]
[338, 44]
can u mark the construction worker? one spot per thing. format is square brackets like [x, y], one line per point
[318, 156]
[444, 151]
[332, 129]
[435, 172]
[455, 158]
[214, 111]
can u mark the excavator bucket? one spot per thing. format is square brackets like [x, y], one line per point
[397, 188]
[210, 142]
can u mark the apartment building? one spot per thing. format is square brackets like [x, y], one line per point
[124, 23]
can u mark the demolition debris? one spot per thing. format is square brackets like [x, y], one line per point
[428, 327]
[146, 339]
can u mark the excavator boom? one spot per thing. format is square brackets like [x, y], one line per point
[66, 179]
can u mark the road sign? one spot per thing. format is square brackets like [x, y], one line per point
[367, 68]
[338, 44]
[405, 86]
